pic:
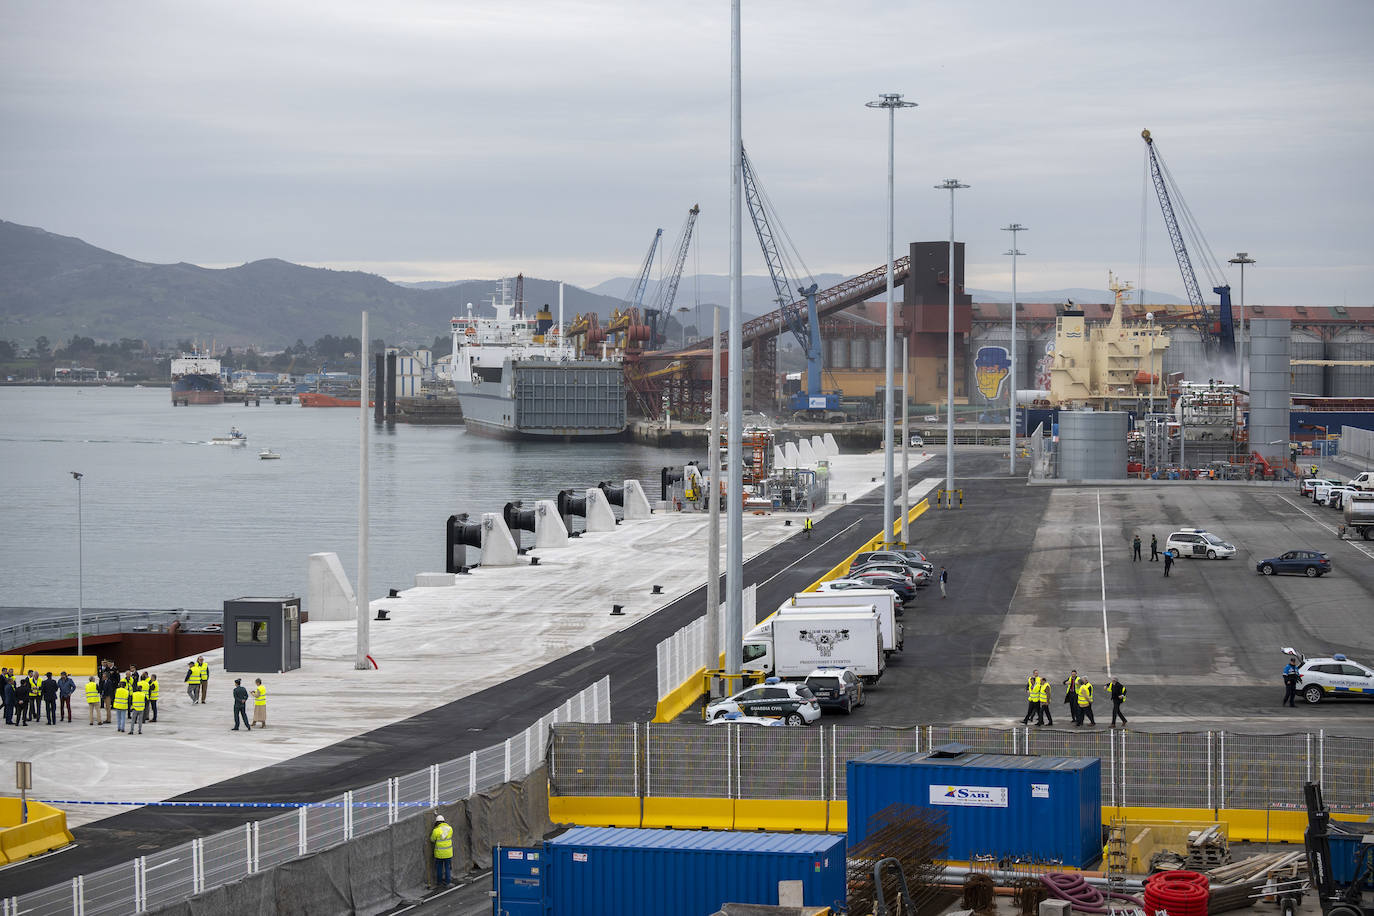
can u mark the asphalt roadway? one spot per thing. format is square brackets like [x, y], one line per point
[1028, 567]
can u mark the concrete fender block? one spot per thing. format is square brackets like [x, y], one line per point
[600, 515]
[818, 448]
[329, 594]
[549, 530]
[792, 458]
[636, 503]
[832, 448]
[806, 454]
[779, 457]
[498, 547]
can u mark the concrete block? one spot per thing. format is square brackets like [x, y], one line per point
[549, 530]
[779, 458]
[600, 515]
[790, 893]
[1054, 908]
[805, 454]
[818, 447]
[832, 448]
[636, 503]
[329, 595]
[434, 580]
[498, 547]
[791, 458]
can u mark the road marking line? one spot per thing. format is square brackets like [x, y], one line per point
[1102, 565]
[842, 533]
[1332, 528]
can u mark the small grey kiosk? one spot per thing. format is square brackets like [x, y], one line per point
[262, 635]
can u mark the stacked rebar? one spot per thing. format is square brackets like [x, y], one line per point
[913, 836]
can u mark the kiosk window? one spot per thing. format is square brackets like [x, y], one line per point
[249, 632]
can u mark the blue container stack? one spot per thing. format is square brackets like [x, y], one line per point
[1043, 808]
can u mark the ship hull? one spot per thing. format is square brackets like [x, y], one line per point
[578, 401]
[319, 399]
[197, 389]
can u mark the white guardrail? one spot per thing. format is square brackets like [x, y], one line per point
[175, 874]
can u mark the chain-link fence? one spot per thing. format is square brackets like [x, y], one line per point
[1213, 769]
[182, 871]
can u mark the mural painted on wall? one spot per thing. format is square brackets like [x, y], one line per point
[991, 369]
[1042, 369]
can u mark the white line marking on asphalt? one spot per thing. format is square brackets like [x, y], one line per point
[823, 544]
[1332, 528]
[1102, 565]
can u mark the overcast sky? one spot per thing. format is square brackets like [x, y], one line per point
[469, 139]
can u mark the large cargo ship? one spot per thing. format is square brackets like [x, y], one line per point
[517, 378]
[195, 380]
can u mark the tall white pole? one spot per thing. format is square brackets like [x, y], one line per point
[891, 101]
[1242, 258]
[1011, 394]
[952, 184]
[360, 662]
[80, 568]
[734, 572]
[906, 440]
[713, 532]
[560, 313]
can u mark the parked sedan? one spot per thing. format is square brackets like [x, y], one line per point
[917, 575]
[905, 589]
[1311, 563]
[837, 688]
[905, 557]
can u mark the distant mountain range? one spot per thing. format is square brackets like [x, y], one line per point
[56, 286]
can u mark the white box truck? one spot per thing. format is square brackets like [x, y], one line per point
[796, 642]
[882, 600]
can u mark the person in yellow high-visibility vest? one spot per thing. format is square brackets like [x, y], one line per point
[1085, 702]
[259, 704]
[152, 697]
[138, 702]
[441, 838]
[807, 526]
[1044, 712]
[121, 704]
[93, 698]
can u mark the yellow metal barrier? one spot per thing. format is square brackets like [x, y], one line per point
[74, 665]
[45, 830]
[945, 498]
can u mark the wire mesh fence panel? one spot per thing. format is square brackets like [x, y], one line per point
[1166, 770]
[979, 739]
[324, 824]
[1347, 771]
[518, 744]
[491, 767]
[279, 839]
[169, 875]
[455, 780]
[110, 890]
[370, 808]
[691, 761]
[224, 858]
[412, 791]
[593, 760]
[1257, 771]
[849, 741]
[52, 901]
[779, 762]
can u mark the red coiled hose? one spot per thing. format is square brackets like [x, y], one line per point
[1180, 893]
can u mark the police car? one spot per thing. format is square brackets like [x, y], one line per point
[738, 718]
[1198, 542]
[1336, 676]
[794, 703]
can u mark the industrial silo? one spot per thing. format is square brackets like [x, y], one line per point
[858, 353]
[1351, 381]
[1270, 339]
[1092, 445]
[839, 353]
[1307, 379]
[877, 354]
[1187, 354]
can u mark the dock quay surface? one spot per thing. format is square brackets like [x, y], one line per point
[460, 668]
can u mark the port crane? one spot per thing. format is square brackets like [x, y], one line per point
[802, 321]
[657, 315]
[1217, 331]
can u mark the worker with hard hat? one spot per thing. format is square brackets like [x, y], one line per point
[441, 838]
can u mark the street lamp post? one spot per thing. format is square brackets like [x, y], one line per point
[1150, 327]
[891, 101]
[1011, 393]
[682, 314]
[1242, 258]
[80, 567]
[951, 185]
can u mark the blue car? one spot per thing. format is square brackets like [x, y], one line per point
[1310, 563]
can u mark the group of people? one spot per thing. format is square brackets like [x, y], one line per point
[1078, 694]
[1155, 555]
[28, 696]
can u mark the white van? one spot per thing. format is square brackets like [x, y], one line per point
[1363, 482]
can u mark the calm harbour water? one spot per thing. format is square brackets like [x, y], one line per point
[171, 520]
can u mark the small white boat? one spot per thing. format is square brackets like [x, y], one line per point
[268, 455]
[234, 438]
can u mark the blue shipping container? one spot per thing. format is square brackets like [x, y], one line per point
[1345, 848]
[1046, 808]
[608, 871]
